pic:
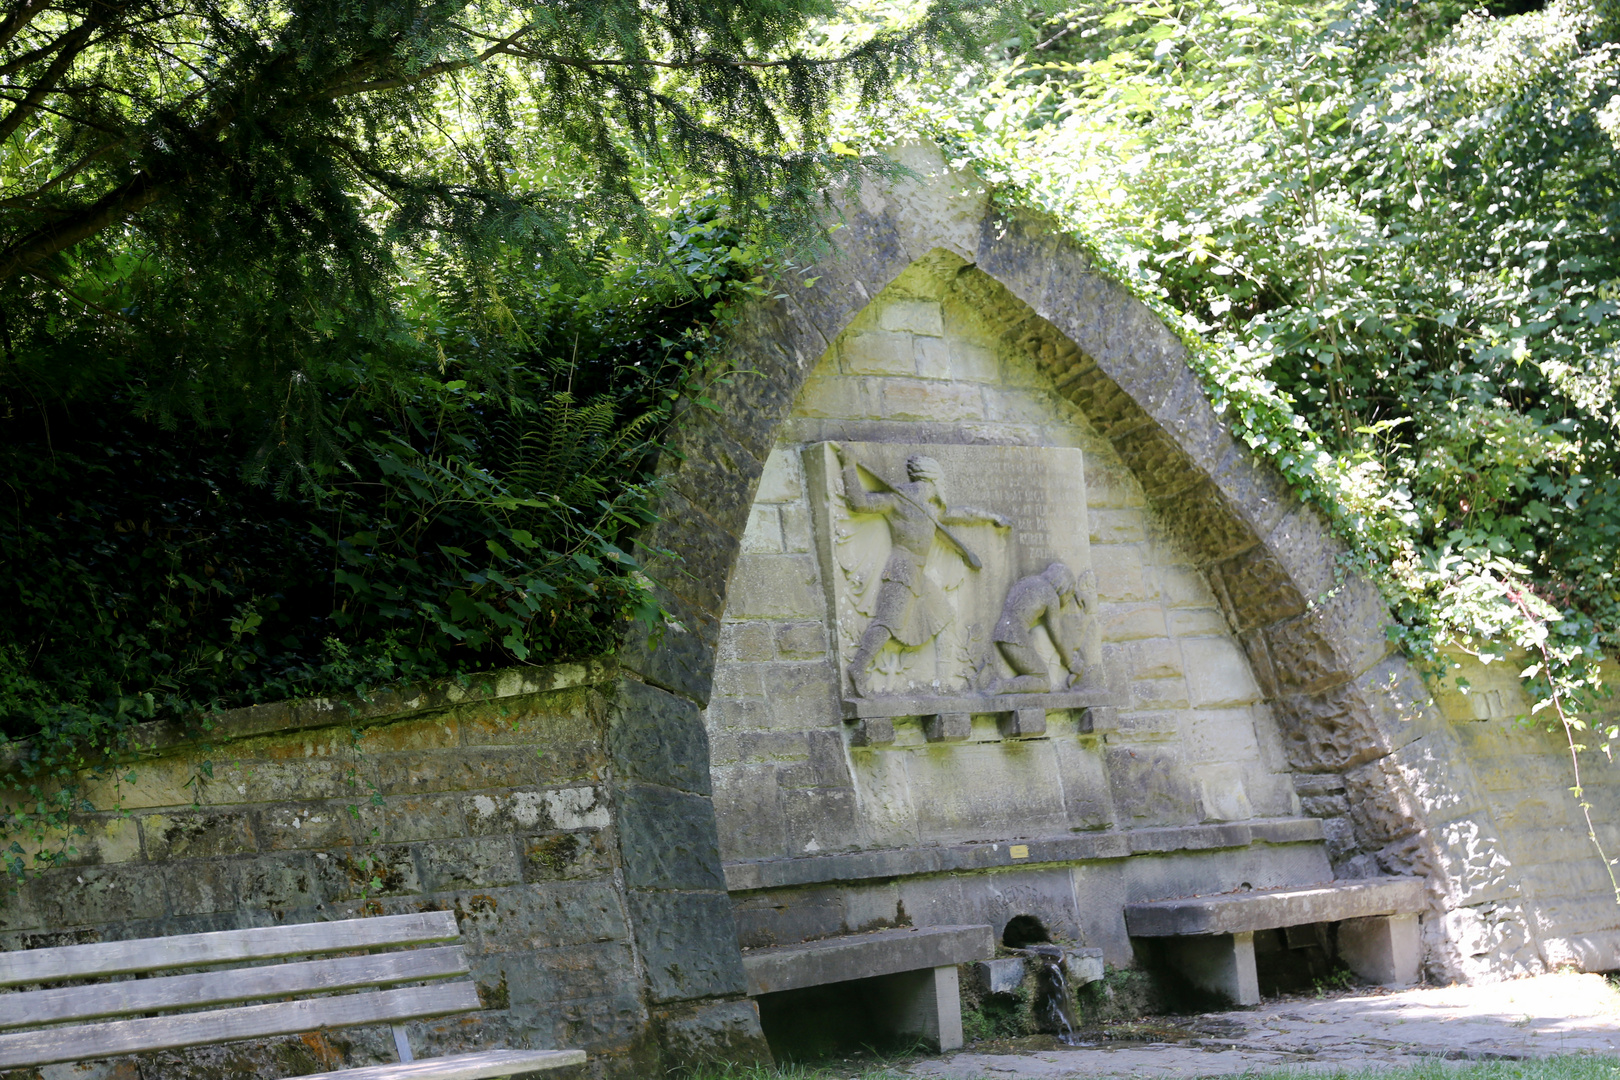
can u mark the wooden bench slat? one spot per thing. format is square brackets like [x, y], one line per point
[223, 947]
[65, 1003]
[481, 1066]
[89, 1041]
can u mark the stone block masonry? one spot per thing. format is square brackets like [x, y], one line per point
[563, 814]
[928, 361]
[1213, 547]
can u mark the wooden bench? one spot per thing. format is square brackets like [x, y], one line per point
[1212, 937]
[910, 975]
[60, 1017]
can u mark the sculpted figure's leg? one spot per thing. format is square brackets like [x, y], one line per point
[876, 636]
[1031, 675]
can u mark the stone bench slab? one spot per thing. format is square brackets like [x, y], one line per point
[864, 956]
[1271, 909]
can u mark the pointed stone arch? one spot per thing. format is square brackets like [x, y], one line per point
[1373, 755]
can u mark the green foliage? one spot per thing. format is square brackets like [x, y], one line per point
[1388, 233]
[233, 187]
[475, 509]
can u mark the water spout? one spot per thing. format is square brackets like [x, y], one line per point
[1053, 1004]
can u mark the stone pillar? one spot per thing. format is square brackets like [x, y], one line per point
[1220, 963]
[680, 913]
[928, 1004]
[1383, 949]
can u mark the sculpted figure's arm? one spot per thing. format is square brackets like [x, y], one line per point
[972, 515]
[1066, 627]
[859, 499]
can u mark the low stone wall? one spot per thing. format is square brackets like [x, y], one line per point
[1558, 907]
[561, 813]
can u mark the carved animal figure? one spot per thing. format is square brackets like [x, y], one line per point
[910, 608]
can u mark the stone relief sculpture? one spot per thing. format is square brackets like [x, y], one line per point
[1051, 599]
[910, 607]
[941, 610]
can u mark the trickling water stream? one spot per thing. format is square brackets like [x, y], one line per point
[1052, 1002]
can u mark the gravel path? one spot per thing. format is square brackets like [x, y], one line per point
[1526, 1018]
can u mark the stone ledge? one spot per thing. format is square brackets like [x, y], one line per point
[1269, 909]
[898, 705]
[1090, 847]
[281, 717]
[864, 956]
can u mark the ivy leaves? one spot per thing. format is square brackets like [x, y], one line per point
[1388, 232]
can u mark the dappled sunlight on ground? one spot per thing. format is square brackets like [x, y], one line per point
[1525, 1018]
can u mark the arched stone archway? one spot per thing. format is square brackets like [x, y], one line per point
[1373, 757]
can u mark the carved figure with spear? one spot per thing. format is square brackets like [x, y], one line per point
[910, 608]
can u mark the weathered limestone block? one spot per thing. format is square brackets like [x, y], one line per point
[1222, 794]
[838, 398]
[745, 642]
[1329, 731]
[712, 1033]
[748, 802]
[779, 480]
[879, 353]
[1121, 576]
[658, 738]
[801, 641]
[1386, 950]
[914, 317]
[715, 472]
[775, 587]
[1254, 589]
[1218, 673]
[821, 818]
[688, 941]
[1149, 786]
[1130, 621]
[1206, 525]
[667, 838]
[764, 530]
[934, 401]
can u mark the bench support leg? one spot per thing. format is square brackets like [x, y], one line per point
[928, 1005]
[1222, 964]
[1383, 949]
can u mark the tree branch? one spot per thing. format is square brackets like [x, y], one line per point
[19, 18]
[72, 43]
[62, 234]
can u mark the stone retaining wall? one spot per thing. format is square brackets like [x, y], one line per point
[561, 813]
